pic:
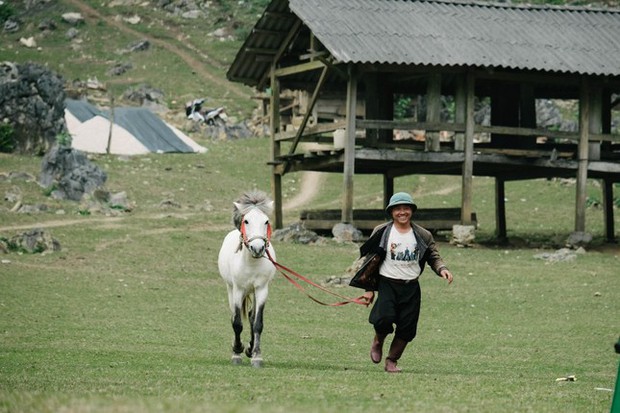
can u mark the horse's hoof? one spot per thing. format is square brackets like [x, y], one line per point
[236, 359]
[256, 362]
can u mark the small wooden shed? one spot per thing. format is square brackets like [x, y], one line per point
[369, 52]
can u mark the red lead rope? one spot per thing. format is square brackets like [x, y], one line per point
[361, 300]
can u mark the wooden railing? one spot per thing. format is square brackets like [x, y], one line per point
[324, 128]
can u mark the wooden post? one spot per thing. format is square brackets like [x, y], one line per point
[468, 161]
[349, 148]
[109, 145]
[371, 103]
[500, 209]
[608, 185]
[274, 127]
[527, 107]
[582, 168]
[379, 105]
[388, 189]
[596, 121]
[433, 110]
[608, 210]
[460, 103]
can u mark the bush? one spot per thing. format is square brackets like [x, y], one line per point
[7, 138]
[64, 139]
[6, 12]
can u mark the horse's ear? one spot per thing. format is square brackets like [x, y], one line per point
[238, 206]
[270, 205]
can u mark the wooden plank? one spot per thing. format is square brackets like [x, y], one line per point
[527, 153]
[500, 209]
[291, 33]
[388, 188]
[468, 161]
[303, 67]
[365, 213]
[460, 101]
[408, 125]
[274, 126]
[582, 158]
[259, 50]
[304, 122]
[433, 219]
[433, 110]
[310, 131]
[459, 127]
[349, 147]
[608, 210]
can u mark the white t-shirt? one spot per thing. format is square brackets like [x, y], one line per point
[402, 258]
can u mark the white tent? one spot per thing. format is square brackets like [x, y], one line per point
[135, 131]
[92, 136]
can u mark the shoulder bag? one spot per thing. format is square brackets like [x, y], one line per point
[367, 274]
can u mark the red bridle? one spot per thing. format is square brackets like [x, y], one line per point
[244, 237]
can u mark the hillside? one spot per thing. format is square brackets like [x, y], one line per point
[188, 45]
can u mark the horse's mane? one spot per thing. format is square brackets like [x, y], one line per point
[247, 201]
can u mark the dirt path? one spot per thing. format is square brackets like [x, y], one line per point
[117, 221]
[310, 186]
[186, 56]
[62, 223]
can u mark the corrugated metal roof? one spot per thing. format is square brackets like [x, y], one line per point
[269, 32]
[449, 33]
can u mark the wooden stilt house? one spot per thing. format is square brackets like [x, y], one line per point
[369, 52]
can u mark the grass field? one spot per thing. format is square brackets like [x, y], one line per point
[131, 315]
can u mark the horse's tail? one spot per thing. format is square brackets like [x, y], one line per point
[247, 305]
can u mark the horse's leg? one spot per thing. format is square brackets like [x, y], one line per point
[251, 319]
[235, 301]
[237, 325]
[257, 326]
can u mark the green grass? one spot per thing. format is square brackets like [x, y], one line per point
[131, 315]
[101, 44]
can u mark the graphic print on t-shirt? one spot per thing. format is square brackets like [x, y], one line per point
[400, 255]
[403, 256]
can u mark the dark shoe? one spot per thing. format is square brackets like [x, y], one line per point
[376, 349]
[396, 351]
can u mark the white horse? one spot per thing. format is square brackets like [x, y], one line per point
[244, 266]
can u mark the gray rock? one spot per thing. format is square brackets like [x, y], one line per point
[32, 100]
[344, 232]
[463, 235]
[579, 239]
[47, 25]
[73, 18]
[295, 233]
[139, 46]
[71, 172]
[120, 200]
[561, 255]
[33, 241]
[11, 26]
[72, 33]
[119, 69]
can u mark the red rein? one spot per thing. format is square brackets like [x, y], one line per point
[284, 270]
[346, 300]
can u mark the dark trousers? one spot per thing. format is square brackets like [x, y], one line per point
[398, 304]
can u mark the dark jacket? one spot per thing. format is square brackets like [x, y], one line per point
[428, 251]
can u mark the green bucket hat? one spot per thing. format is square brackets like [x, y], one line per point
[401, 198]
